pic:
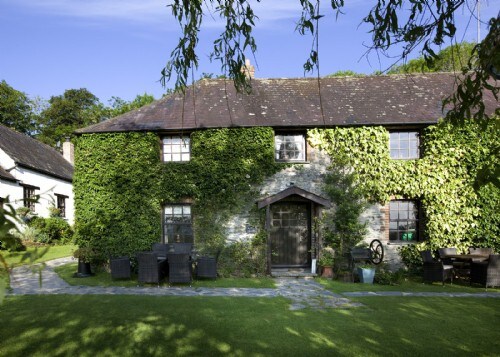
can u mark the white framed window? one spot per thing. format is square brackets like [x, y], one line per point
[176, 148]
[290, 147]
[404, 145]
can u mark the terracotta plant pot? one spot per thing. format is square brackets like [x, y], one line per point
[327, 272]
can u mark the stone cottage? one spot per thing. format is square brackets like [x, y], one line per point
[290, 198]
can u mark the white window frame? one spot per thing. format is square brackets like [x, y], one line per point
[404, 145]
[290, 147]
[176, 148]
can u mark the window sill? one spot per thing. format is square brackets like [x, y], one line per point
[292, 162]
[401, 243]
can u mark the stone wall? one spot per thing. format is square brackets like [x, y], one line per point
[310, 177]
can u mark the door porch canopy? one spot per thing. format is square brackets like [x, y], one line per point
[293, 194]
[291, 191]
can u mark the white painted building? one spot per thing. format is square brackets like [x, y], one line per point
[29, 168]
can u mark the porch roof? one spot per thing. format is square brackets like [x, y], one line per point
[294, 190]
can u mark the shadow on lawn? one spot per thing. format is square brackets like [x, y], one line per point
[202, 326]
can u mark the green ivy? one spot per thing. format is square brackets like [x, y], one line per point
[120, 185]
[456, 213]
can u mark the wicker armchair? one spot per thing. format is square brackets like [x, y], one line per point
[486, 273]
[182, 248]
[488, 251]
[435, 270]
[151, 270]
[120, 268]
[206, 267]
[443, 252]
[160, 249]
[179, 268]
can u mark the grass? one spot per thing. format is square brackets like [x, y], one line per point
[410, 285]
[38, 254]
[215, 326]
[104, 279]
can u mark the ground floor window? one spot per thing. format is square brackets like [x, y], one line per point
[61, 204]
[29, 197]
[177, 224]
[403, 221]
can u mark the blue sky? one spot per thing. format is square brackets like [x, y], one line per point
[118, 47]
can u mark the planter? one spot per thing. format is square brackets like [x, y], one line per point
[84, 270]
[366, 275]
[327, 272]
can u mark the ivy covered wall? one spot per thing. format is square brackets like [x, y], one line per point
[120, 183]
[443, 179]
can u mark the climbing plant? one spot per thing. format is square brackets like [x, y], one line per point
[121, 184]
[443, 179]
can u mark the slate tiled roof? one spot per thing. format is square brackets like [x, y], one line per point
[30, 153]
[372, 100]
[6, 175]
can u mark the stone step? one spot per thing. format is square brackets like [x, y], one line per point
[292, 273]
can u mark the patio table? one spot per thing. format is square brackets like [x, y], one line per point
[468, 257]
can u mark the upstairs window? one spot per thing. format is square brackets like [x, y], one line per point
[403, 221]
[177, 224]
[404, 145]
[176, 148]
[29, 197]
[290, 148]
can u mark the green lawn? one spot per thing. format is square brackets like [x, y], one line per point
[413, 285]
[38, 255]
[104, 279]
[215, 326]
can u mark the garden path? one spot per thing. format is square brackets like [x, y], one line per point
[301, 292]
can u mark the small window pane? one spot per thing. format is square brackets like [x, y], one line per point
[403, 220]
[404, 145]
[176, 148]
[289, 147]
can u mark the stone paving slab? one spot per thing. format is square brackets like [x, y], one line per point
[302, 292]
[485, 294]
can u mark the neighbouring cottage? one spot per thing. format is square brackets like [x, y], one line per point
[213, 166]
[29, 168]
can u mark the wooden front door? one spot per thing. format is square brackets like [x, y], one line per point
[290, 234]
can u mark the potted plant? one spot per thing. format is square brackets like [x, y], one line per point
[366, 273]
[84, 256]
[326, 259]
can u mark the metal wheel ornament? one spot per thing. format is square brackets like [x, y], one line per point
[377, 251]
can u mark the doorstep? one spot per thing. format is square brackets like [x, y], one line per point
[292, 273]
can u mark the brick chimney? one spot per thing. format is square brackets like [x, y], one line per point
[68, 150]
[248, 69]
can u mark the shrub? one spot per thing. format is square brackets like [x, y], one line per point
[51, 230]
[410, 256]
[243, 259]
[384, 276]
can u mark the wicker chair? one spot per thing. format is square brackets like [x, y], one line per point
[443, 252]
[435, 270]
[486, 273]
[160, 249]
[182, 248]
[179, 268]
[206, 267]
[120, 268]
[151, 270]
[488, 251]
